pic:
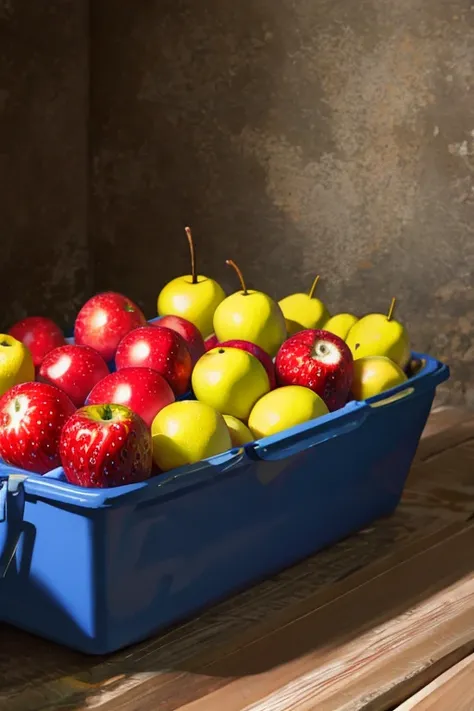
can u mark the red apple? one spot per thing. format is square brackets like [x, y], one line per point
[104, 320]
[105, 445]
[162, 350]
[259, 353]
[320, 361]
[31, 419]
[143, 390]
[188, 331]
[211, 342]
[39, 334]
[74, 369]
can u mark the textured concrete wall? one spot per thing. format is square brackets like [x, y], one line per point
[296, 137]
[43, 157]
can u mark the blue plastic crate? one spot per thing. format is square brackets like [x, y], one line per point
[97, 570]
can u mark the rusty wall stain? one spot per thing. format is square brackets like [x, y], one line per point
[296, 137]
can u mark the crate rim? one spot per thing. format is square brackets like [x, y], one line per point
[50, 487]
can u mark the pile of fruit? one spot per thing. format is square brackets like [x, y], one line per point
[130, 399]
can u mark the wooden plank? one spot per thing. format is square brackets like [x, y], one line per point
[359, 650]
[198, 677]
[39, 675]
[444, 417]
[444, 482]
[451, 691]
[445, 430]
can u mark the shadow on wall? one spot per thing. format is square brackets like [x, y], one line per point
[172, 143]
[298, 138]
[43, 159]
[295, 138]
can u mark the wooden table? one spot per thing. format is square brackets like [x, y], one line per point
[384, 620]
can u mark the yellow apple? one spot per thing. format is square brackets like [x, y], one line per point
[186, 432]
[283, 408]
[231, 380]
[194, 297]
[377, 334]
[303, 311]
[341, 324]
[239, 433]
[375, 374]
[16, 363]
[250, 315]
[292, 327]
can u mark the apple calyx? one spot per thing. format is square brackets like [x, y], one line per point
[192, 251]
[326, 352]
[231, 263]
[313, 286]
[5, 344]
[320, 349]
[16, 411]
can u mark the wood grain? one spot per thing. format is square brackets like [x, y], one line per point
[177, 668]
[200, 679]
[446, 428]
[453, 690]
[444, 418]
[362, 646]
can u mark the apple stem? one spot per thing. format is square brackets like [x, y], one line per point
[313, 287]
[193, 254]
[107, 413]
[391, 309]
[232, 264]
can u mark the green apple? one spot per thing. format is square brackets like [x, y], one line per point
[250, 315]
[239, 433]
[194, 297]
[230, 380]
[375, 374]
[303, 311]
[186, 432]
[285, 407]
[377, 334]
[341, 324]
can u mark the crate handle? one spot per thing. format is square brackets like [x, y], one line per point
[179, 480]
[310, 434]
[12, 506]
